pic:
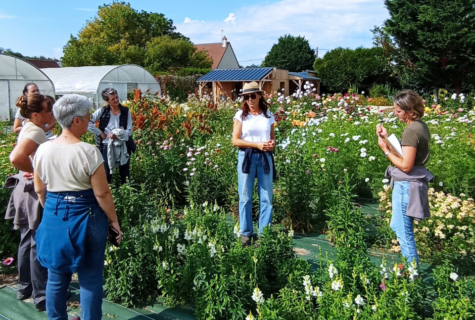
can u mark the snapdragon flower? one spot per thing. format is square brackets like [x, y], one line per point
[257, 296]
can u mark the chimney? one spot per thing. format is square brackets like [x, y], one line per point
[225, 42]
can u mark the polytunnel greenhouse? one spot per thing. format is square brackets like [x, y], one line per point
[14, 74]
[90, 81]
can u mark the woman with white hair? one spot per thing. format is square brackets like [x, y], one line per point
[78, 209]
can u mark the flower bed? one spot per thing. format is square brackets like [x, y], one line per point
[178, 246]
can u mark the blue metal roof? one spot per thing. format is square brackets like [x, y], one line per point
[304, 75]
[242, 74]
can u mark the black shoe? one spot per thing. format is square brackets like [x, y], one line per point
[21, 296]
[68, 295]
[41, 306]
[246, 241]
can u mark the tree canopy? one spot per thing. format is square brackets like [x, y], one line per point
[431, 42]
[342, 68]
[120, 35]
[290, 53]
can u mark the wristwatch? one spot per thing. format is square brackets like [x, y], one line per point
[386, 154]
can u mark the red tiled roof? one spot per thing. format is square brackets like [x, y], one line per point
[214, 50]
[44, 63]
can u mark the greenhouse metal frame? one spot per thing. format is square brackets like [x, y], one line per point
[90, 81]
[15, 73]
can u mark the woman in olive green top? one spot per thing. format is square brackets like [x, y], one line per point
[408, 174]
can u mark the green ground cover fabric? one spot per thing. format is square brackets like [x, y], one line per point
[308, 247]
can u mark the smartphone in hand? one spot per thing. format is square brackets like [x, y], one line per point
[112, 236]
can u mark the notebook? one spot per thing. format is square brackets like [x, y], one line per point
[394, 145]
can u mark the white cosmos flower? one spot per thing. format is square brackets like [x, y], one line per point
[385, 180]
[366, 180]
[371, 158]
[332, 135]
[322, 159]
[356, 138]
[363, 154]
[347, 140]
[441, 184]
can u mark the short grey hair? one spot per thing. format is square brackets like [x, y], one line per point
[107, 92]
[69, 107]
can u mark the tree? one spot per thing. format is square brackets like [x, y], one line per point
[431, 42]
[165, 53]
[341, 69]
[19, 55]
[290, 53]
[121, 35]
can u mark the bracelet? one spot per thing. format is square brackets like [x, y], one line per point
[386, 154]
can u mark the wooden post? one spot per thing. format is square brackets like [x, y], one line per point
[300, 84]
[214, 92]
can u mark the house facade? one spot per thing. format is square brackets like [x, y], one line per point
[222, 54]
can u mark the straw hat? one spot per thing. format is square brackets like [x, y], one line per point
[251, 87]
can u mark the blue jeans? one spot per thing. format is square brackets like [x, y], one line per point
[123, 170]
[90, 275]
[245, 189]
[401, 224]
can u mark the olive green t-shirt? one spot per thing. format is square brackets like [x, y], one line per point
[417, 135]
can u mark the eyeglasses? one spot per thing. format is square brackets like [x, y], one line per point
[252, 96]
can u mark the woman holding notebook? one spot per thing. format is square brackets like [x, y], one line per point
[408, 174]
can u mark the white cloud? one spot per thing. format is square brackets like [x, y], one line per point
[326, 24]
[188, 20]
[4, 16]
[231, 18]
[84, 9]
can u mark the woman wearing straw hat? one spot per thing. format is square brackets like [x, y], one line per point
[253, 134]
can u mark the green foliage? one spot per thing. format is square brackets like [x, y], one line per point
[341, 69]
[9, 238]
[165, 53]
[430, 42]
[290, 53]
[19, 55]
[455, 295]
[122, 35]
[193, 71]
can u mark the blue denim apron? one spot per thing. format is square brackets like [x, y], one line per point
[61, 236]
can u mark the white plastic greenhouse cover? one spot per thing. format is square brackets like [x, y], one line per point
[14, 74]
[90, 81]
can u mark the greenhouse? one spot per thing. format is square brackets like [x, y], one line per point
[14, 74]
[90, 81]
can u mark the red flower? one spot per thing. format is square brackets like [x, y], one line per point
[8, 261]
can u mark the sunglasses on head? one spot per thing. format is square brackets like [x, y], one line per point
[247, 96]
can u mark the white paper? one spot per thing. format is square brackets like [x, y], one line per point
[395, 143]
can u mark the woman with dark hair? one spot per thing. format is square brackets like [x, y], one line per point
[409, 176]
[253, 133]
[112, 117]
[31, 88]
[25, 208]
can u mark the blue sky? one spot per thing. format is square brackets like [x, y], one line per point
[43, 27]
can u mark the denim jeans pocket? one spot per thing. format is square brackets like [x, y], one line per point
[97, 225]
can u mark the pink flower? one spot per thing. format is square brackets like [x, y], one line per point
[382, 286]
[8, 261]
[317, 97]
[423, 101]
[315, 156]
[275, 92]
[149, 143]
[308, 171]
[460, 110]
